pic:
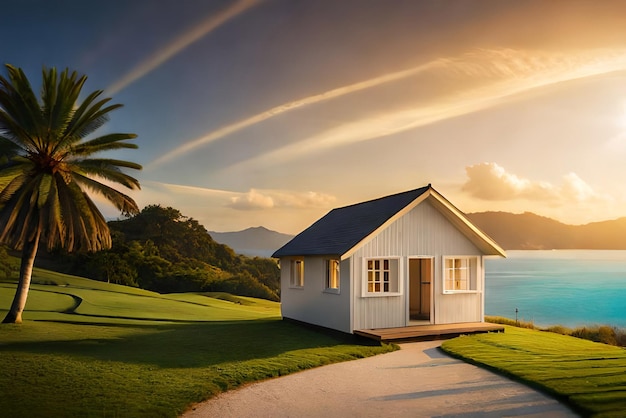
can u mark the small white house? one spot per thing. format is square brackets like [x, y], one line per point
[406, 259]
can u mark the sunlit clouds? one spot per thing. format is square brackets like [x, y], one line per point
[567, 200]
[490, 181]
[252, 199]
[268, 199]
[226, 209]
[180, 43]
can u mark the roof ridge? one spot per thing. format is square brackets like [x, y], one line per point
[342, 228]
[423, 188]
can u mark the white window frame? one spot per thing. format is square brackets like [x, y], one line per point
[332, 274]
[460, 274]
[394, 271]
[296, 273]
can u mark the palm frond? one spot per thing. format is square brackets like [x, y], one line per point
[55, 232]
[23, 106]
[104, 143]
[107, 169]
[122, 202]
[89, 117]
[18, 217]
[11, 184]
[45, 184]
[59, 95]
[8, 149]
[14, 132]
[11, 128]
[87, 228]
[107, 162]
[45, 164]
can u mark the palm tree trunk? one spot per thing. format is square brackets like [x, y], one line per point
[14, 316]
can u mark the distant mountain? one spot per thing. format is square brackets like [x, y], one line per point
[253, 242]
[528, 231]
[525, 231]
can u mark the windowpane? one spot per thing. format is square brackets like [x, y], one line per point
[332, 274]
[458, 274]
[382, 275]
[297, 273]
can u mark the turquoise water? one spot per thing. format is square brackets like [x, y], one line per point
[566, 287]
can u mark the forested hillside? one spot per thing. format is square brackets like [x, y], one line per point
[159, 249]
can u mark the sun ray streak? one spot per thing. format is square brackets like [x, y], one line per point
[275, 111]
[508, 73]
[177, 45]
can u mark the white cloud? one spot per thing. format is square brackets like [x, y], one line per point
[224, 210]
[251, 201]
[268, 199]
[490, 181]
[574, 188]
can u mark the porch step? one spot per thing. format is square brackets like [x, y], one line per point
[428, 332]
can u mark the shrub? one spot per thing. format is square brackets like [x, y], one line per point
[601, 334]
[558, 329]
[511, 322]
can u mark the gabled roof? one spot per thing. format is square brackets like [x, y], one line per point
[342, 229]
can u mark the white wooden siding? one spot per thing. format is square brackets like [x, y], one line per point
[423, 231]
[311, 304]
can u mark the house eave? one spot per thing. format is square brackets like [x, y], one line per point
[482, 241]
[479, 238]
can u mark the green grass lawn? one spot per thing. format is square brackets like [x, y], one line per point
[95, 349]
[589, 376]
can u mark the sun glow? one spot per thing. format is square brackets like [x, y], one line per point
[503, 75]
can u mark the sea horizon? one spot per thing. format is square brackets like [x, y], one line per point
[572, 288]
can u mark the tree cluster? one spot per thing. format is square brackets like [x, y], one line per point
[161, 250]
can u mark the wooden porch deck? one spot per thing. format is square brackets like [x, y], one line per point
[428, 332]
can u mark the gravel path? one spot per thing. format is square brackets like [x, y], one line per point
[417, 381]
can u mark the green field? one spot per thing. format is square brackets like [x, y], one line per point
[93, 349]
[589, 376]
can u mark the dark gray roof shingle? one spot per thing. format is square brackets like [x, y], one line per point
[343, 228]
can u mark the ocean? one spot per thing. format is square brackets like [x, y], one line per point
[566, 287]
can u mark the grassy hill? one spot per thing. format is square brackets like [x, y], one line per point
[589, 376]
[89, 348]
[61, 297]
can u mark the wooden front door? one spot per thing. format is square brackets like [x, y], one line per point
[420, 288]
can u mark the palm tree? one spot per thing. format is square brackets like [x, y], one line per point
[46, 170]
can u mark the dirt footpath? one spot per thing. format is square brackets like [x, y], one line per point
[416, 381]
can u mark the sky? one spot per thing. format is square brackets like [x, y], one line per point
[273, 112]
